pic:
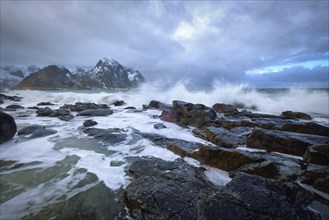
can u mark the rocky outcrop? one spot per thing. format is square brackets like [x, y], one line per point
[296, 115]
[175, 190]
[8, 127]
[223, 108]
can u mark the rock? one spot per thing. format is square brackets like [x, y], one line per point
[196, 115]
[317, 154]
[10, 98]
[318, 177]
[41, 112]
[42, 132]
[110, 136]
[223, 108]
[296, 115]
[1, 102]
[165, 189]
[254, 197]
[226, 138]
[266, 169]
[119, 103]
[284, 142]
[44, 103]
[89, 123]
[168, 115]
[95, 112]
[60, 112]
[14, 107]
[306, 128]
[159, 105]
[65, 117]
[29, 129]
[34, 108]
[79, 106]
[159, 126]
[223, 159]
[130, 107]
[8, 127]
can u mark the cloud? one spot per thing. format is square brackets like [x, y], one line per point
[167, 39]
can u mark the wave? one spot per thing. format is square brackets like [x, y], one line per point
[312, 101]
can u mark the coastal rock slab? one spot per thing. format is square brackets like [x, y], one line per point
[284, 142]
[110, 136]
[224, 108]
[296, 115]
[95, 112]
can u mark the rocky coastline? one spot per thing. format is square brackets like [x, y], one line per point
[278, 164]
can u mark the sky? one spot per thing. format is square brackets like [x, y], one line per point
[263, 43]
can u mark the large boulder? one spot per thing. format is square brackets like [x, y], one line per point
[8, 127]
[306, 128]
[79, 106]
[196, 115]
[224, 108]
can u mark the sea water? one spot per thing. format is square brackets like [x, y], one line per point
[50, 177]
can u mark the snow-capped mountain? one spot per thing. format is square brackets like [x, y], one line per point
[10, 76]
[107, 74]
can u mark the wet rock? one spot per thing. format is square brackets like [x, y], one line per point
[41, 112]
[159, 105]
[119, 103]
[42, 132]
[29, 129]
[159, 126]
[8, 127]
[95, 112]
[224, 159]
[44, 103]
[266, 169]
[317, 154]
[230, 122]
[110, 136]
[33, 108]
[224, 108]
[79, 106]
[168, 115]
[284, 142]
[318, 177]
[254, 197]
[66, 117]
[306, 128]
[89, 123]
[165, 189]
[227, 138]
[1, 102]
[193, 114]
[130, 107]
[10, 98]
[296, 115]
[14, 107]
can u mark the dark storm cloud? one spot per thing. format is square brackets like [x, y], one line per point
[166, 39]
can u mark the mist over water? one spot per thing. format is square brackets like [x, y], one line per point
[312, 101]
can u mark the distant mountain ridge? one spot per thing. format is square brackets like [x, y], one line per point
[107, 74]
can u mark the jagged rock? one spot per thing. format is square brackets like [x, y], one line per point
[296, 115]
[284, 142]
[159, 126]
[110, 136]
[165, 189]
[8, 127]
[227, 138]
[193, 114]
[317, 154]
[224, 108]
[95, 112]
[254, 197]
[223, 159]
[44, 103]
[266, 169]
[168, 115]
[89, 123]
[318, 177]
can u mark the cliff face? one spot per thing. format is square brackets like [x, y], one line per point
[107, 74]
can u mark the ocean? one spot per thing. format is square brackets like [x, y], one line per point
[49, 177]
